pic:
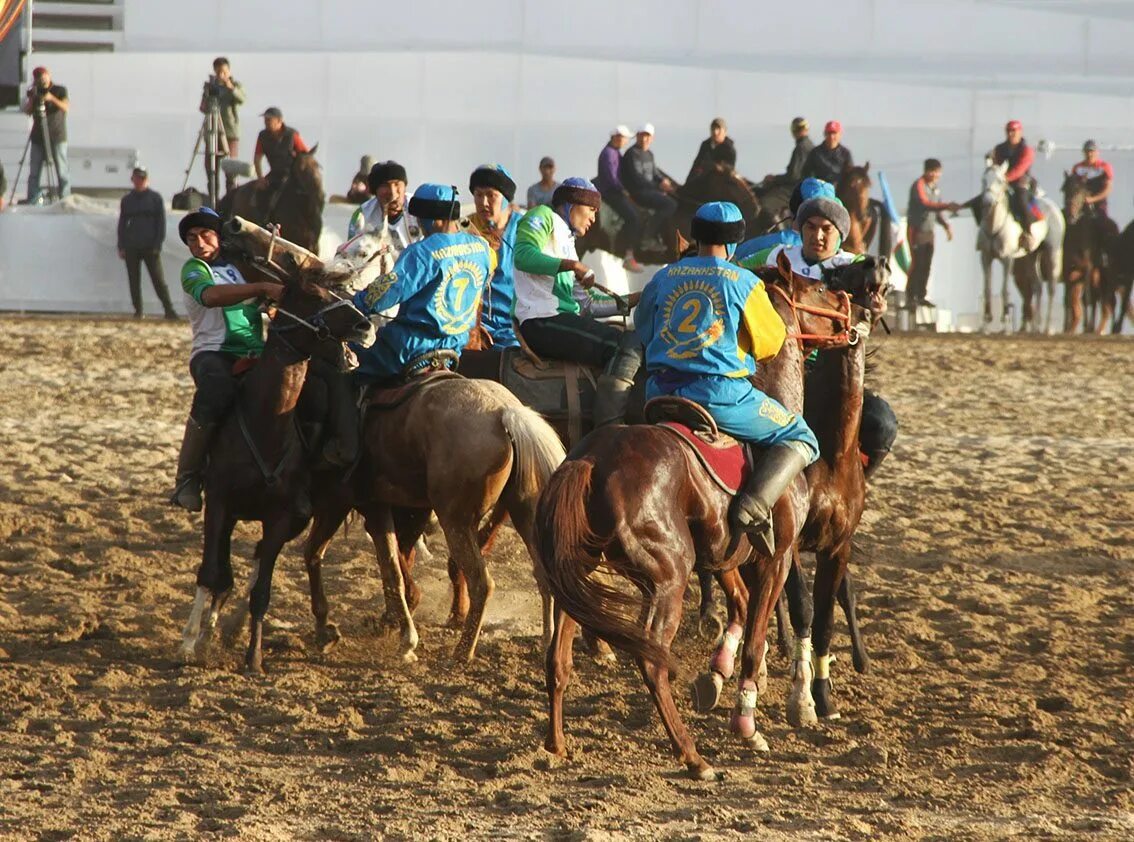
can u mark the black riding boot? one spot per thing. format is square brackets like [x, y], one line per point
[190, 464]
[752, 508]
[343, 423]
[873, 460]
[612, 392]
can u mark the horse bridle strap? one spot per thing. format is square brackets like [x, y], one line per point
[849, 335]
[316, 324]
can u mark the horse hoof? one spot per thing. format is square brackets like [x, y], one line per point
[409, 657]
[706, 691]
[705, 772]
[801, 711]
[743, 725]
[455, 621]
[326, 638]
[757, 743]
[861, 662]
[711, 626]
[824, 707]
[188, 652]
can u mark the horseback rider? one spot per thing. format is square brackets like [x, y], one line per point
[648, 186]
[1099, 176]
[279, 143]
[385, 210]
[823, 224]
[1019, 156]
[615, 194]
[803, 191]
[496, 220]
[800, 131]
[717, 151]
[558, 318]
[830, 159]
[227, 327]
[706, 323]
[437, 281]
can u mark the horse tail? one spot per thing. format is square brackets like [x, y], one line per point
[537, 450]
[570, 553]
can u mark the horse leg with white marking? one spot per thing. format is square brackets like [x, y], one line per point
[800, 704]
[214, 578]
[707, 687]
[830, 568]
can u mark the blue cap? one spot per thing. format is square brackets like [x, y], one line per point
[719, 212]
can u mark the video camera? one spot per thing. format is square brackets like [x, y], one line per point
[213, 88]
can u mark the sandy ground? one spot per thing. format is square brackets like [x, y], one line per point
[994, 568]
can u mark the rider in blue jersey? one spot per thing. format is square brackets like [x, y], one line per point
[706, 323]
[496, 220]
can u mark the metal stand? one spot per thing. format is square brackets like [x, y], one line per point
[47, 171]
[215, 142]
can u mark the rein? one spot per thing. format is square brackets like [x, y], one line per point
[847, 336]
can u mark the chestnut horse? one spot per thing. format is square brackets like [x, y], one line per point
[257, 467]
[297, 208]
[634, 502]
[853, 191]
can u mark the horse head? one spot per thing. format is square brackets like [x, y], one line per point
[1074, 196]
[853, 189]
[823, 317]
[867, 281]
[362, 260]
[993, 184]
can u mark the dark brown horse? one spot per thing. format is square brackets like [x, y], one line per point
[296, 204]
[257, 468]
[1087, 261]
[853, 191]
[633, 502]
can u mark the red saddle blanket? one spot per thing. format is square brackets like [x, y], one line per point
[727, 461]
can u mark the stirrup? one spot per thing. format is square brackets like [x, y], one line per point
[188, 485]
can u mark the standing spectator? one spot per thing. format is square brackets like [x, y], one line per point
[540, 193]
[47, 103]
[614, 194]
[141, 231]
[228, 95]
[717, 150]
[3, 187]
[925, 208]
[829, 159]
[648, 185]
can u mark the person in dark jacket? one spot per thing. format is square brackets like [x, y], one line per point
[279, 143]
[717, 151]
[830, 159]
[1019, 156]
[141, 231]
[647, 185]
[801, 133]
[614, 193]
[925, 209]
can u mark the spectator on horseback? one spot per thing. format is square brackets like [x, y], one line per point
[717, 151]
[829, 159]
[648, 186]
[615, 194]
[803, 191]
[705, 324]
[925, 209]
[496, 220]
[279, 143]
[227, 327]
[800, 132]
[438, 283]
[541, 192]
[359, 190]
[558, 317]
[385, 210]
[1099, 176]
[1016, 153]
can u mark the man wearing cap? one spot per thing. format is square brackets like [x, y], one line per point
[279, 143]
[1099, 176]
[1018, 155]
[496, 220]
[437, 281]
[823, 223]
[52, 120]
[706, 323]
[227, 327]
[614, 193]
[830, 159]
[141, 232]
[800, 132]
[648, 186]
[541, 192]
[557, 316]
[385, 210]
[717, 151]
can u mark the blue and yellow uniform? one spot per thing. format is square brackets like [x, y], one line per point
[438, 283]
[706, 323]
[499, 298]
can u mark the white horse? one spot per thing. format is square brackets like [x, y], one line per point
[999, 239]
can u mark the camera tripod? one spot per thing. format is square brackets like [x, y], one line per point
[47, 169]
[212, 137]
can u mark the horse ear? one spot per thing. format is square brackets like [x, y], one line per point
[783, 263]
[313, 149]
[866, 167]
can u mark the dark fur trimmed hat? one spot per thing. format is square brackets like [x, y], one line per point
[385, 171]
[718, 224]
[435, 201]
[494, 176]
[203, 217]
[576, 191]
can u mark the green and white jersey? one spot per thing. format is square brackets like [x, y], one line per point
[543, 239]
[767, 257]
[237, 329]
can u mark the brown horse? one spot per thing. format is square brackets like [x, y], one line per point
[257, 468]
[833, 392]
[296, 205]
[634, 502]
[1088, 265]
[853, 191]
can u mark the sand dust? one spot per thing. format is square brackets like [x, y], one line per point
[994, 566]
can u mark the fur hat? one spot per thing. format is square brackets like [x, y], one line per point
[435, 201]
[385, 171]
[718, 224]
[576, 191]
[830, 209]
[203, 217]
[494, 176]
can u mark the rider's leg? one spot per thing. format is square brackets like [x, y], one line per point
[216, 391]
[663, 207]
[631, 225]
[341, 414]
[570, 336]
[878, 430]
[612, 392]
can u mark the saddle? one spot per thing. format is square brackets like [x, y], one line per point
[725, 459]
[419, 374]
[560, 391]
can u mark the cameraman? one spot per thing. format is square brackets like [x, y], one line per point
[47, 103]
[228, 94]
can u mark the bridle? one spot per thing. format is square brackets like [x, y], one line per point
[848, 336]
[316, 324]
